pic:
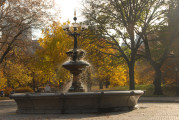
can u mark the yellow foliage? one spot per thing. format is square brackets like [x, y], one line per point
[107, 67]
[18, 75]
[3, 80]
[119, 76]
[55, 44]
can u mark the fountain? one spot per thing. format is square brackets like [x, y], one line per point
[75, 65]
[76, 100]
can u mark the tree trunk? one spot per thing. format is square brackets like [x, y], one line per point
[100, 85]
[33, 81]
[157, 82]
[131, 76]
[10, 45]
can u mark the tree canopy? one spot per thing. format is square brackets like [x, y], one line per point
[18, 18]
[126, 21]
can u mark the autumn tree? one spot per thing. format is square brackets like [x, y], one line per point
[144, 72]
[55, 44]
[52, 54]
[158, 42]
[3, 80]
[106, 68]
[95, 58]
[18, 18]
[28, 58]
[124, 21]
[17, 75]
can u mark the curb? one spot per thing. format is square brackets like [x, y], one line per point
[159, 99]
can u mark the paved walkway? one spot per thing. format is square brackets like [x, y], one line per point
[147, 111]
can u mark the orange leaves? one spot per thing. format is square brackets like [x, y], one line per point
[144, 73]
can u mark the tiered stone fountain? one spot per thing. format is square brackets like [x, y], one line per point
[76, 100]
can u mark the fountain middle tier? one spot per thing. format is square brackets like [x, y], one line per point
[75, 67]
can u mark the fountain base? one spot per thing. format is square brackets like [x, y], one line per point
[76, 87]
[80, 102]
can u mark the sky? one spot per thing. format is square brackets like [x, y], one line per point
[67, 8]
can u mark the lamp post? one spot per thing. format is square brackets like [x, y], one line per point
[177, 87]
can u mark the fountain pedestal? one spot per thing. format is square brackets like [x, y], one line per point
[75, 65]
[76, 85]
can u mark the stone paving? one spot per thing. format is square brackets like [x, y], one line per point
[146, 111]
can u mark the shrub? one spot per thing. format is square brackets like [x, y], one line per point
[23, 90]
[7, 92]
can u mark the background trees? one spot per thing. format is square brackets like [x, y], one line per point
[3, 80]
[55, 44]
[124, 21]
[158, 41]
[18, 18]
[121, 32]
[106, 68]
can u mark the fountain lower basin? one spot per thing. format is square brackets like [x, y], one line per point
[80, 102]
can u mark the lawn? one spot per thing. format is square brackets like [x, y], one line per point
[168, 90]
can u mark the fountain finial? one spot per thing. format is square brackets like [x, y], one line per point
[75, 12]
[75, 18]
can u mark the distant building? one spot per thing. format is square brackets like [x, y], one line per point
[34, 46]
[123, 44]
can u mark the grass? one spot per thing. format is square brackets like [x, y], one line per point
[168, 90]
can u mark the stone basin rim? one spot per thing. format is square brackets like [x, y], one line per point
[76, 102]
[131, 92]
